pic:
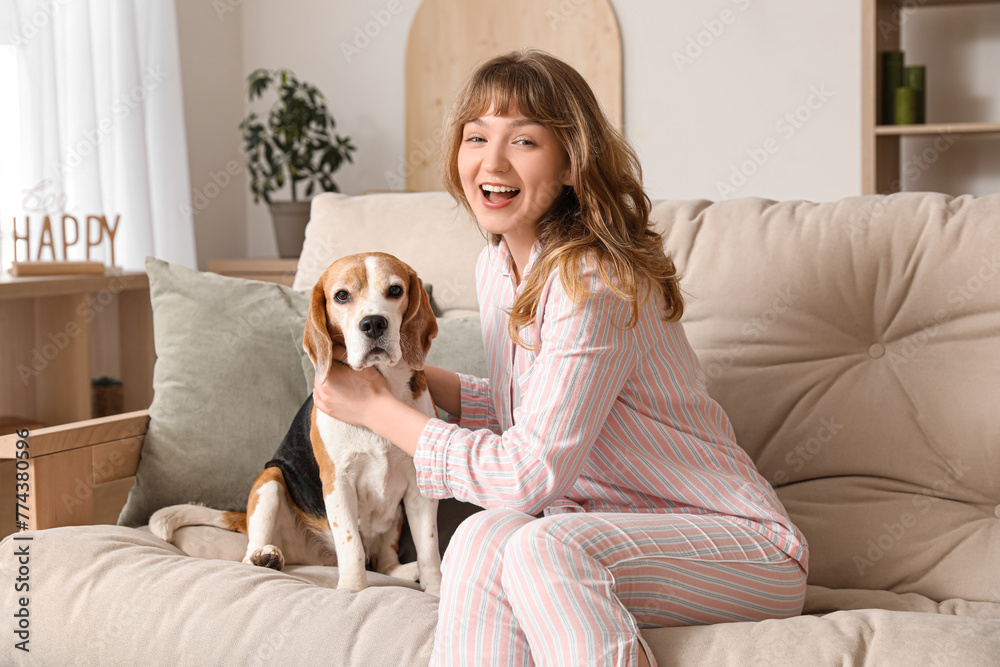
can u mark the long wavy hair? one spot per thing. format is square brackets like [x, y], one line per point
[604, 213]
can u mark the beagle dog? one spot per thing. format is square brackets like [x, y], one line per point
[331, 495]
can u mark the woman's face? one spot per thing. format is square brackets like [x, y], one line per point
[512, 169]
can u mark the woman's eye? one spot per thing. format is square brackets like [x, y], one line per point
[342, 296]
[474, 140]
[395, 291]
[525, 142]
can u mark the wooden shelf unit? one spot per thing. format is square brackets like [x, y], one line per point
[881, 144]
[50, 331]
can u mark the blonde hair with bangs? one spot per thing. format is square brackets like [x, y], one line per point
[605, 213]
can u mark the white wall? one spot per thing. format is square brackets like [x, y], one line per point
[213, 71]
[723, 98]
[735, 98]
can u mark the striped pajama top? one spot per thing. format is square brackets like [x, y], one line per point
[595, 418]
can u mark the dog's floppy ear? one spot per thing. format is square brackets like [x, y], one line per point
[419, 325]
[319, 334]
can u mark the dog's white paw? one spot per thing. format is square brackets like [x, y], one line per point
[408, 571]
[268, 556]
[434, 589]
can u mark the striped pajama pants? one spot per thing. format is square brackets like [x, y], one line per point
[575, 588]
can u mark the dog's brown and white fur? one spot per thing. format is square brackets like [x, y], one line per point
[332, 493]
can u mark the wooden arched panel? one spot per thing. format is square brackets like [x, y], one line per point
[449, 38]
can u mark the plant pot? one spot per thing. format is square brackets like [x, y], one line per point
[290, 219]
[106, 400]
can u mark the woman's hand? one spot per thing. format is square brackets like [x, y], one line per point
[363, 398]
[349, 395]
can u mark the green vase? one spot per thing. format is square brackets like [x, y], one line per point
[893, 73]
[916, 78]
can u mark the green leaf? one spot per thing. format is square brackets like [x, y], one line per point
[294, 144]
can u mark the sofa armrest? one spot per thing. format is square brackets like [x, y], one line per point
[77, 474]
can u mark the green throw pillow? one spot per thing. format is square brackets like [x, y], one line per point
[227, 382]
[230, 375]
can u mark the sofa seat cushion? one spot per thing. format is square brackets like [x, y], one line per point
[859, 637]
[110, 595]
[822, 600]
[854, 345]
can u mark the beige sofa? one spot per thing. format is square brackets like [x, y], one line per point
[854, 344]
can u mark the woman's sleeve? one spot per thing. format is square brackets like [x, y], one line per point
[477, 404]
[585, 358]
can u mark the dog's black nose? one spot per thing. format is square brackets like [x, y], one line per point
[374, 326]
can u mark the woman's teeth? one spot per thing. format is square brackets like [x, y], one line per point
[499, 192]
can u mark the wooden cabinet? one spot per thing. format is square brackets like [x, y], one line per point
[51, 330]
[55, 331]
[882, 23]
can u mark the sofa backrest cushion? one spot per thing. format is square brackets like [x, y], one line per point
[855, 345]
[427, 230]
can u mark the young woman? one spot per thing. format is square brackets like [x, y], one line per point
[595, 414]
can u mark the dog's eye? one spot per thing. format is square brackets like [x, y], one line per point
[342, 296]
[395, 291]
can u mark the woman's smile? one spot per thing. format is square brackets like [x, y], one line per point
[496, 196]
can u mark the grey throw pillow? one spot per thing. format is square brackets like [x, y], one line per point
[230, 375]
[227, 382]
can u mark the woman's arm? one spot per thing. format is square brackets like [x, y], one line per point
[445, 388]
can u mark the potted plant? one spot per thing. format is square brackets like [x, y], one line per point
[294, 144]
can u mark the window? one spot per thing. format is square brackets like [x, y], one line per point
[10, 154]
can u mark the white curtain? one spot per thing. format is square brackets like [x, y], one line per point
[102, 123]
